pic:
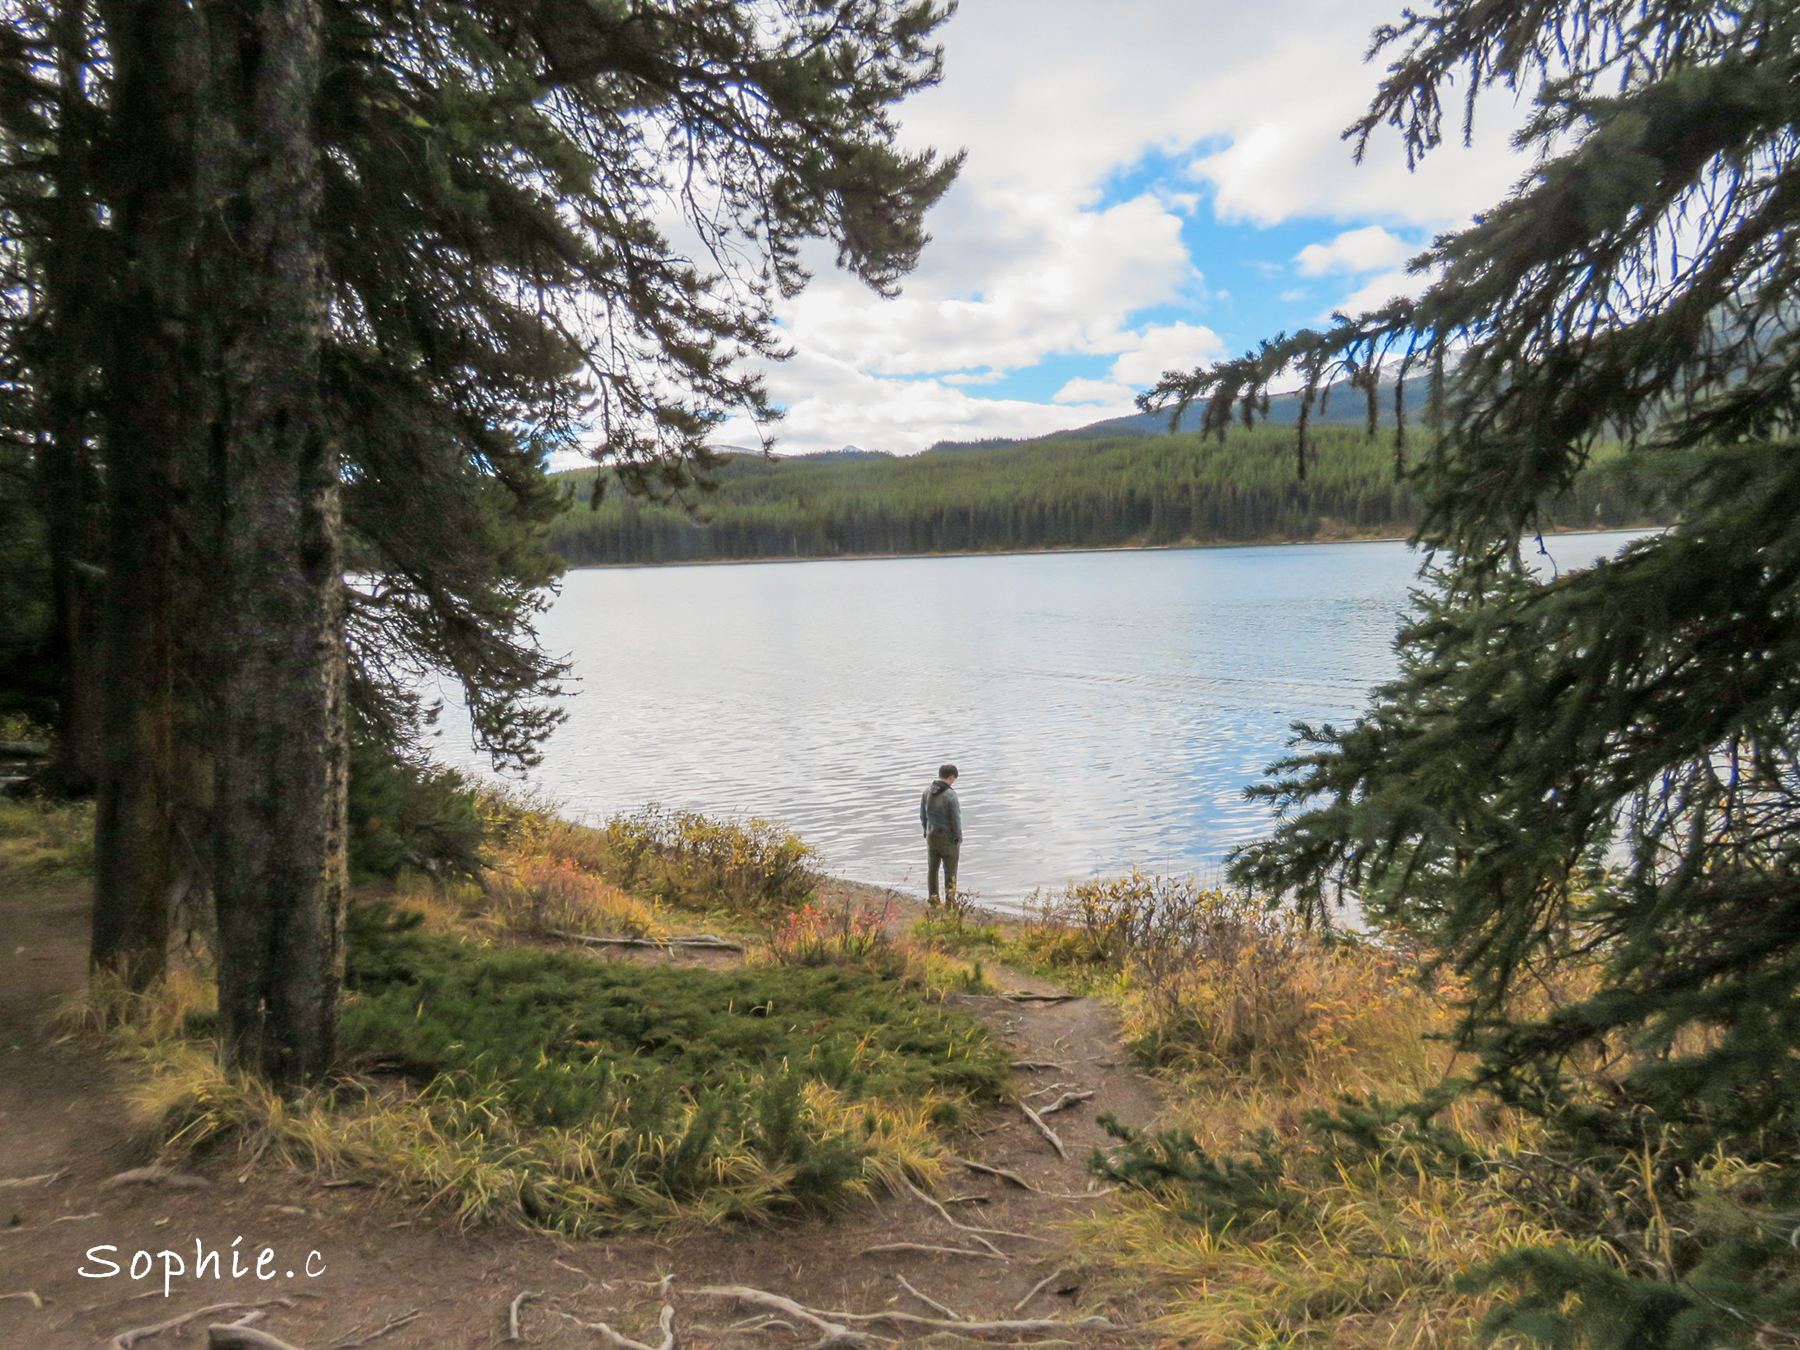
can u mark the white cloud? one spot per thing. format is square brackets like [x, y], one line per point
[1369, 249]
[1378, 290]
[1072, 281]
[1092, 391]
[1237, 107]
[905, 416]
[1175, 346]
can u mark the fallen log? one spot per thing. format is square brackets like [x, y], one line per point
[702, 942]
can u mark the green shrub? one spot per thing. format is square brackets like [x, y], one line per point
[753, 867]
[1214, 1192]
[410, 813]
[858, 938]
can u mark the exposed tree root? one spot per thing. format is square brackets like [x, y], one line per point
[989, 1255]
[512, 1311]
[1012, 1178]
[1064, 1102]
[238, 1336]
[836, 1326]
[1037, 1289]
[41, 1179]
[929, 1301]
[126, 1339]
[1048, 1133]
[666, 1320]
[392, 1324]
[831, 1334]
[979, 1234]
[157, 1176]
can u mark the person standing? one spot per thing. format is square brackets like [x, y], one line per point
[940, 815]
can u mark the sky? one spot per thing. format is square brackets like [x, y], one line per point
[1150, 184]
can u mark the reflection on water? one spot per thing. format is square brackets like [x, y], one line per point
[1105, 709]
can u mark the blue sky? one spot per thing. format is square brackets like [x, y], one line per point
[1149, 184]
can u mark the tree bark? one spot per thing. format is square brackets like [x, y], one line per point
[279, 823]
[157, 407]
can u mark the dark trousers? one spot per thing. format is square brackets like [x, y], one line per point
[941, 851]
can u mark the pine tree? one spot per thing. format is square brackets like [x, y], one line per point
[491, 285]
[1597, 770]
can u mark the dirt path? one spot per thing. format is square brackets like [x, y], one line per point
[378, 1262]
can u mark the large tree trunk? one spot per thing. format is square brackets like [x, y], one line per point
[158, 401]
[279, 831]
[226, 650]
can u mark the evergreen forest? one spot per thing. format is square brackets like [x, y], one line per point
[1061, 492]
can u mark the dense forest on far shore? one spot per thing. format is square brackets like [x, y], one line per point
[1058, 492]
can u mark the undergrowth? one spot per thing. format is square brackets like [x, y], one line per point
[1283, 1202]
[46, 840]
[579, 1095]
[750, 868]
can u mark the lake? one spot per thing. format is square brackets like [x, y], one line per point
[1105, 709]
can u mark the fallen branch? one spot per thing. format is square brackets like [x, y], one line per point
[705, 941]
[831, 1334]
[926, 1247]
[929, 1301]
[126, 1339]
[31, 1296]
[1039, 1064]
[512, 1312]
[1027, 996]
[1048, 1133]
[1064, 1102]
[1037, 1289]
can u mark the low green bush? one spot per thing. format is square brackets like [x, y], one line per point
[756, 868]
[407, 813]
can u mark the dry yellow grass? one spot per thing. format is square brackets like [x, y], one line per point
[1254, 1024]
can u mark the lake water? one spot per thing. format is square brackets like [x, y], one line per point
[1105, 709]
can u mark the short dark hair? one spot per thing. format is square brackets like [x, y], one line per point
[946, 771]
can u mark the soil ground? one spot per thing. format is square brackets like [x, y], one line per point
[64, 1134]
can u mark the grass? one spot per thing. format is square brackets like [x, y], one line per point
[46, 841]
[1280, 1205]
[578, 1095]
[493, 1079]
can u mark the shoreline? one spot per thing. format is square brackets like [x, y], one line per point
[1036, 552]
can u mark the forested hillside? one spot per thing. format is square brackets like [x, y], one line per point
[1057, 492]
